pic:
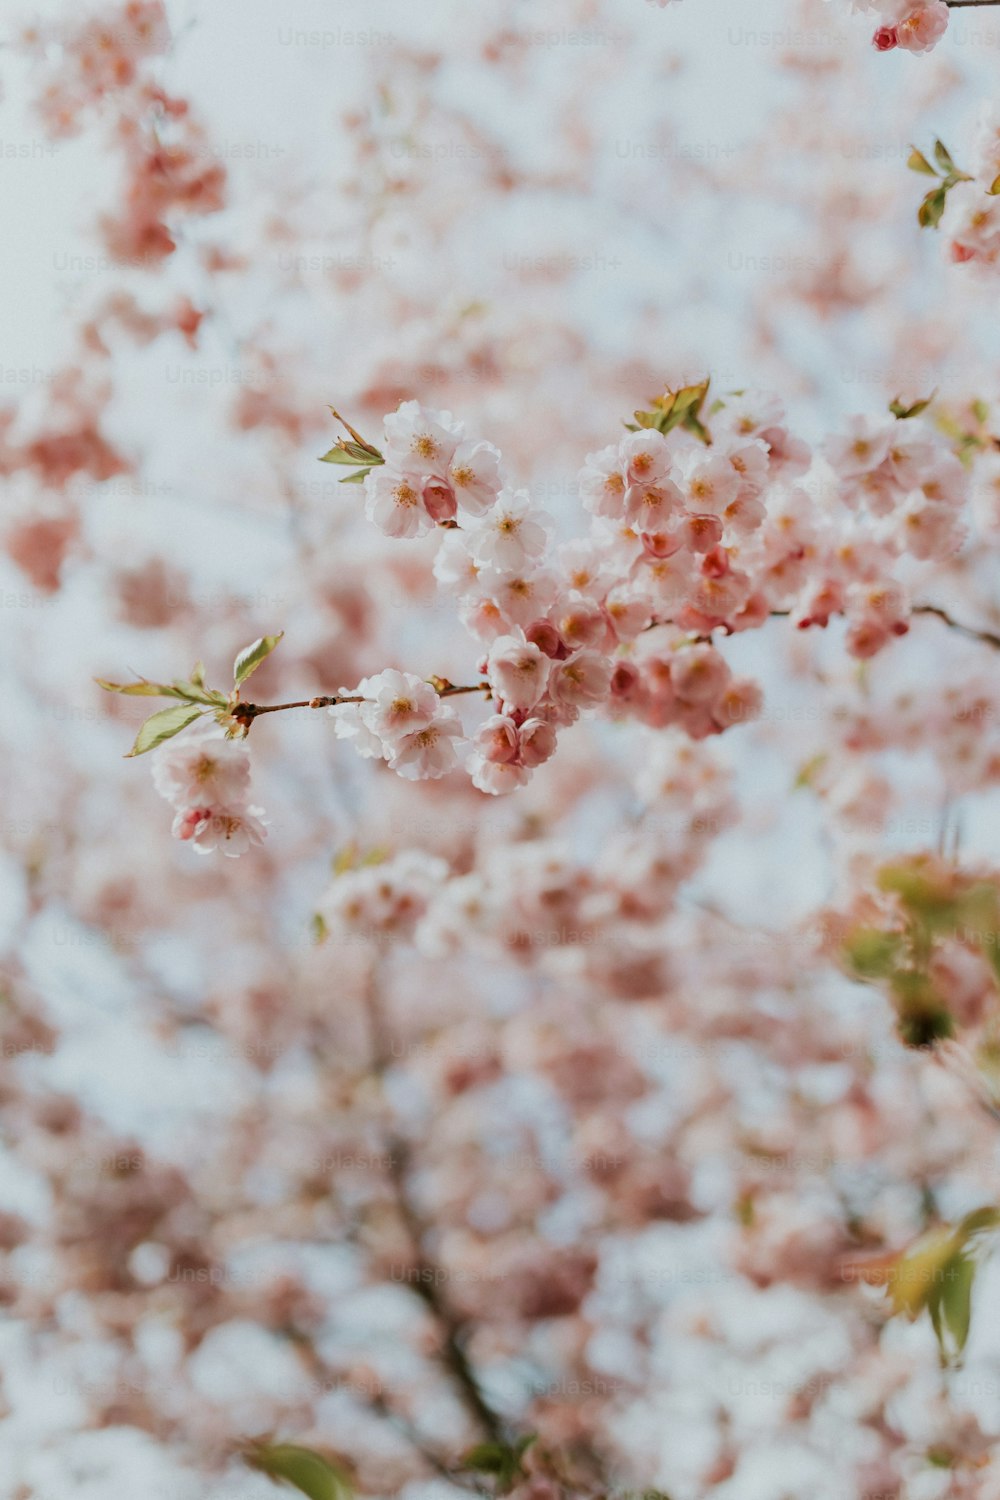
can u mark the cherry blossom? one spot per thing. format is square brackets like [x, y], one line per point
[606, 1027]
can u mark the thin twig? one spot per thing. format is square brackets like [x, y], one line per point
[245, 713]
[986, 637]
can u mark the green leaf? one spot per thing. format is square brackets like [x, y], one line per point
[339, 454]
[904, 412]
[305, 1470]
[140, 689]
[692, 423]
[810, 770]
[675, 409]
[193, 692]
[358, 478]
[980, 1221]
[369, 453]
[251, 657]
[501, 1460]
[189, 692]
[994, 187]
[956, 1301]
[873, 954]
[930, 211]
[917, 162]
[163, 726]
[980, 410]
[943, 157]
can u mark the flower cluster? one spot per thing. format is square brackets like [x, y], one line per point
[686, 537]
[206, 779]
[99, 55]
[168, 166]
[691, 532]
[523, 901]
[928, 934]
[403, 721]
[913, 25]
[909, 491]
[971, 218]
[430, 474]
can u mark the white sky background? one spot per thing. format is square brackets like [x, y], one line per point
[285, 100]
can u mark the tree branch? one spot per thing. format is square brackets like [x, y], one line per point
[985, 637]
[428, 1276]
[245, 713]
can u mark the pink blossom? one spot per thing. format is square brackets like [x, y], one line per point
[536, 742]
[923, 28]
[710, 484]
[644, 458]
[400, 705]
[474, 475]
[602, 483]
[421, 441]
[628, 612]
[395, 503]
[439, 500]
[522, 597]
[518, 671]
[202, 768]
[863, 449]
[430, 752]
[497, 778]
[496, 739]
[930, 530]
[511, 536]
[650, 507]
[348, 723]
[234, 831]
[579, 622]
[581, 682]
[698, 674]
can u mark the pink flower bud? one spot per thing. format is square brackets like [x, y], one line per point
[885, 39]
[545, 636]
[699, 674]
[538, 742]
[702, 533]
[626, 681]
[439, 500]
[496, 739]
[662, 543]
[715, 564]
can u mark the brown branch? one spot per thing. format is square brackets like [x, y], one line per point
[428, 1275]
[986, 637]
[970, 632]
[245, 713]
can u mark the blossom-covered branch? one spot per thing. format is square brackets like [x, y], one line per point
[703, 519]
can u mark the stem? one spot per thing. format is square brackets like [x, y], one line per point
[955, 4]
[986, 637]
[250, 711]
[245, 713]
